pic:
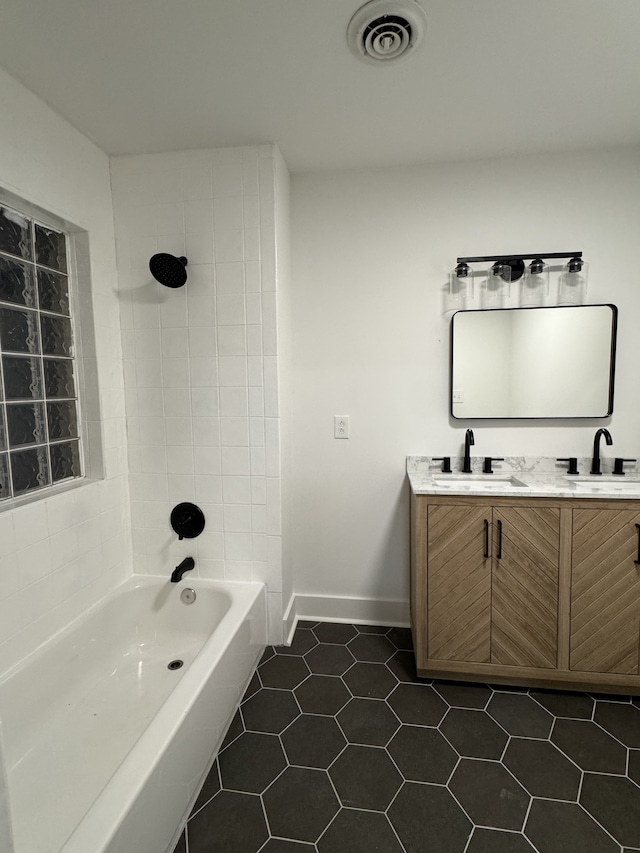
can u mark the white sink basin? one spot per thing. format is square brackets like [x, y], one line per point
[606, 484]
[478, 482]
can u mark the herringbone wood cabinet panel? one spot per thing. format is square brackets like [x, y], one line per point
[459, 584]
[524, 616]
[605, 591]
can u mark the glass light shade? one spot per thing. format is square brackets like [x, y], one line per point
[497, 286]
[534, 286]
[572, 289]
[461, 283]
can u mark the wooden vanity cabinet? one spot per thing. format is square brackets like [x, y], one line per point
[531, 591]
[605, 591]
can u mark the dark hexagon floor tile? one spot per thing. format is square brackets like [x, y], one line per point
[473, 733]
[422, 754]
[560, 703]
[369, 680]
[589, 746]
[306, 623]
[368, 721]
[270, 710]
[373, 648]
[251, 763]
[489, 794]
[372, 629]
[283, 671]
[403, 666]
[359, 832]
[253, 686]
[334, 632]
[303, 641]
[614, 801]
[365, 778]
[236, 821]
[281, 845]
[401, 638]
[520, 715]
[493, 841]
[417, 704]
[555, 827]
[313, 741]
[462, 694]
[300, 804]
[269, 652]
[326, 659]
[634, 765]
[236, 727]
[209, 789]
[542, 769]
[622, 721]
[322, 694]
[426, 817]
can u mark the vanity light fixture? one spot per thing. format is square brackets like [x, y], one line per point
[505, 269]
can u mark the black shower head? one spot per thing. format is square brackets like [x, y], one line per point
[168, 270]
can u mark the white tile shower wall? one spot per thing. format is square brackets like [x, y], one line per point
[61, 553]
[201, 362]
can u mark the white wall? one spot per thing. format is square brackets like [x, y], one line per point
[201, 361]
[371, 254]
[60, 554]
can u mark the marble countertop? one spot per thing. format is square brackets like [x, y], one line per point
[519, 476]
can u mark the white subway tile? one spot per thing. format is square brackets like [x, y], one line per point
[202, 342]
[259, 518]
[204, 373]
[207, 460]
[7, 536]
[237, 518]
[177, 402]
[230, 309]
[206, 432]
[205, 403]
[252, 277]
[180, 460]
[235, 461]
[238, 546]
[229, 245]
[179, 431]
[234, 402]
[198, 216]
[175, 372]
[229, 278]
[208, 488]
[227, 177]
[175, 342]
[232, 371]
[30, 524]
[236, 490]
[234, 432]
[232, 340]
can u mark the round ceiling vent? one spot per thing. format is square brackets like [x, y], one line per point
[386, 30]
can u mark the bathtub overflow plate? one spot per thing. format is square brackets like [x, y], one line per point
[188, 595]
[175, 664]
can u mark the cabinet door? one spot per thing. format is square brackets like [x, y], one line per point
[459, 583]
[605, 591]
[524, 618]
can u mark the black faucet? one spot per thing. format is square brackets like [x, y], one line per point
[468, 441]
[595, 462]
[185, 566]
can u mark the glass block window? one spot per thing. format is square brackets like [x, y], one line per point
[39, 424]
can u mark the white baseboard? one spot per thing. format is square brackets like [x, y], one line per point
[329, 608]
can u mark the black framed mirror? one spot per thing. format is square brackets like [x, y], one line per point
[521, 363]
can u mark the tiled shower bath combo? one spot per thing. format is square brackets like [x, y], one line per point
[338, 748]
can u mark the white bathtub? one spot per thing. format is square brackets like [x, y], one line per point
[105, 747]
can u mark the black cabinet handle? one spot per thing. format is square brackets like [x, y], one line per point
[499, 554]
[486, 540]
[637, 562]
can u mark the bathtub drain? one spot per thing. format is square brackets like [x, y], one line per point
[175, 664]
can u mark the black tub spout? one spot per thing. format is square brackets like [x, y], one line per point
[185, 566]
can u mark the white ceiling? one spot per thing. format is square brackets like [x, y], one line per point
[492, 77]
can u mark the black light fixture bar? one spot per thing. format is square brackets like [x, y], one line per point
[516, 257]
